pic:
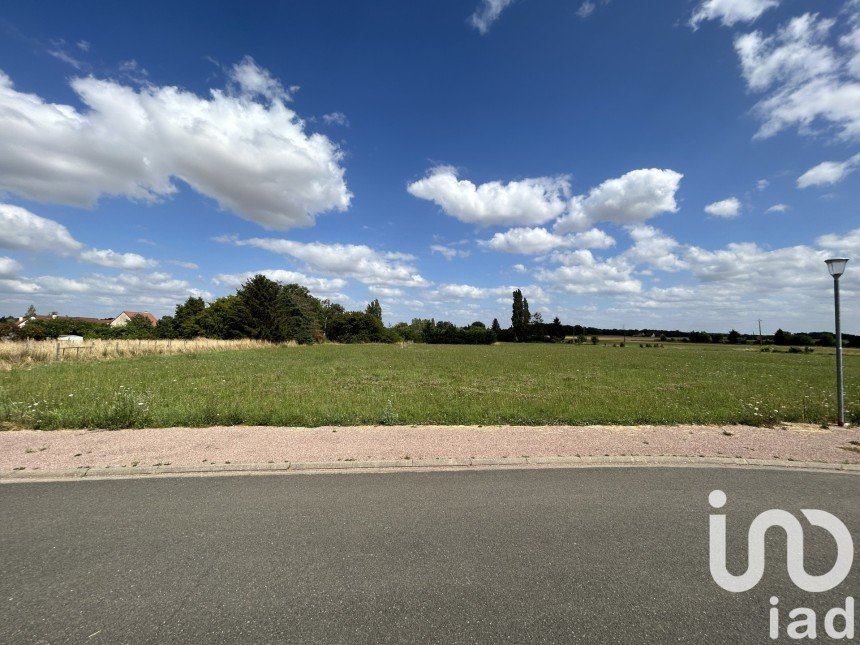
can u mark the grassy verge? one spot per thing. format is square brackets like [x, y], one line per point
[427, 384]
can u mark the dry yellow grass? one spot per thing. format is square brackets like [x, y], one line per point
[22, 353]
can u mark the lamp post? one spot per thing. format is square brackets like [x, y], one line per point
[836, 266]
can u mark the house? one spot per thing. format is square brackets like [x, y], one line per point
[123, 319]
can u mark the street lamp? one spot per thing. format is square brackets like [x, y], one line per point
[836, 266]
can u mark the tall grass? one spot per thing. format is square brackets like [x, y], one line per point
[432, 384]
[24, 353]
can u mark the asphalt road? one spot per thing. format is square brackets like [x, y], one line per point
[609, 555]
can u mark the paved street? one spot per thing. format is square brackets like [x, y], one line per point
[604, 555]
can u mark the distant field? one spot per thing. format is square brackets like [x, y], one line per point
[17, 354]
[432, 384]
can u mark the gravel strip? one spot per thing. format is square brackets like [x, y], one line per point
[64, 449]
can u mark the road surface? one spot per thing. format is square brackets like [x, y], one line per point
[603, 555]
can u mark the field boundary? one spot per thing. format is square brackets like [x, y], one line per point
[415, 465]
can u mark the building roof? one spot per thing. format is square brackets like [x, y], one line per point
[131, 314]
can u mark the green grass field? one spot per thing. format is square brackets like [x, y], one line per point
[433, 384]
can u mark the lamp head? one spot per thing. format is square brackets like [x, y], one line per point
[836, 266]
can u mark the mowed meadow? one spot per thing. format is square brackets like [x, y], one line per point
[528, 384]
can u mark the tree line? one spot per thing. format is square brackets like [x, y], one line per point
[263, 309]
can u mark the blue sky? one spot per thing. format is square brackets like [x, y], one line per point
[665, 165]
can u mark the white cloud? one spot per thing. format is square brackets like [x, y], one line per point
[630, 199]
[487, 13]
[593, 238]
[251, 155]
[185, 265]
[581, 273]
[386, 292]
[811, 82]
[348, 260]
[455, 292]
[253, 80]
[847, 245]
[525, 240]
[520, 268]
[777, 208]
[21, 229]
[9, 268]
[796, 53]
[98, 294]
[586, 9]
[730, 12]
[538, 240]
[449, 253]
[114, 260]
[730, 207]
[335, 118]
[320, 287]
[652, 247]
[762, 184]
[828, 172]
[527, 201]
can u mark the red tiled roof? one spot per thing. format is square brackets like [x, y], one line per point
[131, 314]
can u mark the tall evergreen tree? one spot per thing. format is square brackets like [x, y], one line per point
[496, 327]
[374, 309]
[255, 314]
[520, 317]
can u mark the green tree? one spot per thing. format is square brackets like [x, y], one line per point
[298, 315]
[139, 327]
[31, 311]
[496, 328]
[520, 316]
[188, 317]
[374, 309]
[734, 337]
[256, 312]
[555, 329]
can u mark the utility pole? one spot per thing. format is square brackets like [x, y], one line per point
[759, 332]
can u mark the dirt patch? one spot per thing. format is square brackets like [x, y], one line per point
[129, 449]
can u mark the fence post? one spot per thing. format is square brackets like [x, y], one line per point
[59, 355]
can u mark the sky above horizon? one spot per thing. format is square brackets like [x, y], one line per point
[686, 164]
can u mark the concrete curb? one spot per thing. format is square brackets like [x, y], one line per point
[414, 465]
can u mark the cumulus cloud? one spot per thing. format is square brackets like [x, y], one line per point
[455, 292]
[630, 199]
[828, 172]
[581, 273]
[22, 229]
[847, 244]
[9, 268]
[525, 240]
[524, 202]
[486, 13]
[242, 147]
[114, 260]
[777, 208]
[730, 207]
[537, 240]
[320, 287]
[98, 294]
[730, 12]
[348, 260]
[653, 247]
[811, 80]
